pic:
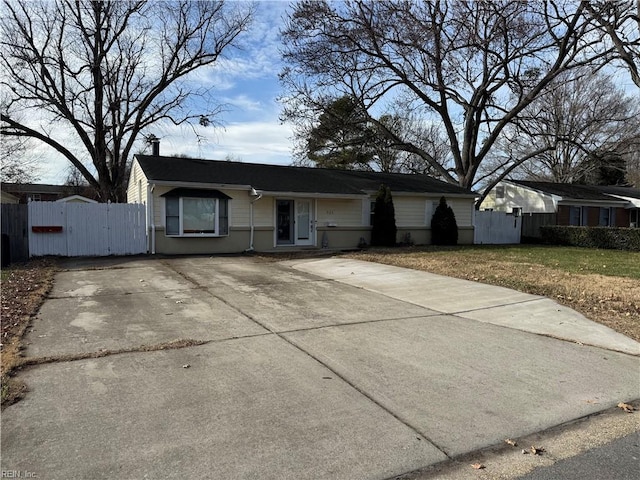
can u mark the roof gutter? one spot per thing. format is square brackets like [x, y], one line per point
[226, 186]
[593, 203]
[151, 235]
[236, 186]
[635, 202]
[315, 195]
[255, 196]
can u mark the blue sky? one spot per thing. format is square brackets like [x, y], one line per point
[246, 83]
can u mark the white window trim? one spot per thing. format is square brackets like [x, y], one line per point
[430, 206]
[366, 211]
[195, 235]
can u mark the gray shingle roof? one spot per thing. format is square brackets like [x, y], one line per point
[276, 178]
[34, 188]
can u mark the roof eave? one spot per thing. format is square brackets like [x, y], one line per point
[271, 193]
[406, 193]
[240, 187]
[226, 186]
[583, 201]
[635, 202]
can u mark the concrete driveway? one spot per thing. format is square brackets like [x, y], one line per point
[319, 369]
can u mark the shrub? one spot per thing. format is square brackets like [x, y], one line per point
[592, 237]
[444, 228]
[384, 230]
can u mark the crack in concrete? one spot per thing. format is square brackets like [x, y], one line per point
[280, 335]
[70, 357]
[115, 294]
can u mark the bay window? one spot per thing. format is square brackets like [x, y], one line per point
[196, 213]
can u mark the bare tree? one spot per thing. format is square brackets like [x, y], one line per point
[582, 117]
[621, 22]
[469, 66]
[632, 162]
[17, 164]
[428, 136]
[101, 72]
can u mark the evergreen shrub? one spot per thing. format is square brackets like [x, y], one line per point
[444, 228]
[616, 238]
[384, 230]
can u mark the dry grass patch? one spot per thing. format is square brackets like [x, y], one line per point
[612, 299]
[23, 289]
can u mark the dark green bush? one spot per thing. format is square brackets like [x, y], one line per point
[444, 228]
[592, 237]
[384, 230]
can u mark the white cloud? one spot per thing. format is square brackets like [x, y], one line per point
[257, 55]
[252, 142]
[244, 102]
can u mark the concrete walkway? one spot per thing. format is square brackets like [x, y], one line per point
[319, 369]
[471, 300]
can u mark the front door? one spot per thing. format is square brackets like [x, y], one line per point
[294, 222]
[304, 222]
[284, 222]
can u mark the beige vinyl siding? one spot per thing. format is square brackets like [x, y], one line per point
[530, 201]
[410, 211]
[241, 210]
[516, 196]
[490, 201]
[463, 210]
[137, 188]
[339, 212]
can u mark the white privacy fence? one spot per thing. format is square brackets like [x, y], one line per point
[496, 227]
[86, 229]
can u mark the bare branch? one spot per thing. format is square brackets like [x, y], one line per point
[623, 29]
[107, 70]
[470, 67]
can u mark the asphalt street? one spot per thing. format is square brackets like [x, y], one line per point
[617, 460]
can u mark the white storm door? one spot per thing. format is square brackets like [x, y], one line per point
[304, 222]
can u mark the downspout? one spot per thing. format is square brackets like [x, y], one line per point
[255, 197]
[151, 239]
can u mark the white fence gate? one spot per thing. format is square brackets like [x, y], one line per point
[496, 227]
[86, 229]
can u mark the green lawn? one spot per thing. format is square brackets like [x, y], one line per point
[571, 259]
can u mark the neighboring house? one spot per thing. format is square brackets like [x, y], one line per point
[209, 206]
[568, 204]
[76, 199]
[36, 192]
[6, 197]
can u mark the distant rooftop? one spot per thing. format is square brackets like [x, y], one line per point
[580, 192]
